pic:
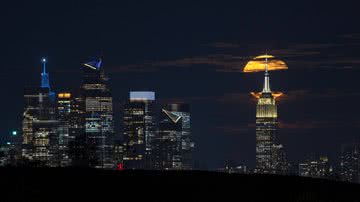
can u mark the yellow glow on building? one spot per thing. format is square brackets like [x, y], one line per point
[276, 95]
[64, 95]
[266, 107]
[257, 64]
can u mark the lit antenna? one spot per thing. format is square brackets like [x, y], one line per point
[43, 60]
[44, 76]
[266, 79]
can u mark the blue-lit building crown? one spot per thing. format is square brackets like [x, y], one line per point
[45, 83]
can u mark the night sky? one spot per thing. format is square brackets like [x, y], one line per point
[194, 53]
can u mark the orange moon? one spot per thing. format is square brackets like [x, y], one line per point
[257, 64]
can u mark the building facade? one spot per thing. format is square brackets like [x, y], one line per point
[98, 108]
[316, 168]
[139, 125]
[77, 137]
[64, 101]
[39, 124]
[269, 153]
[350, 163]
[173, 144]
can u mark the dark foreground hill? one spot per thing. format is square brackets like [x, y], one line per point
[21, 184]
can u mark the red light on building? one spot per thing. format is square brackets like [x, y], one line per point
[120, 166]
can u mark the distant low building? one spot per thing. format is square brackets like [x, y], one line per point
[233, 167]
[316, 168]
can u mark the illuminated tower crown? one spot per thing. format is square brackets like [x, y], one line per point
[45, 83]
[94, 64]
[266, 107]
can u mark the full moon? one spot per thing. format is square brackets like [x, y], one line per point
[257, 64]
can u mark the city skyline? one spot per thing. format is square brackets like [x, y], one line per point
[67, 102]
[202, 68]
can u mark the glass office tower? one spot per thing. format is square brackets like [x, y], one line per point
[64, 101]
[139, 130]
[350, 163]
[99, 129]
[39, 124]
[173, 144]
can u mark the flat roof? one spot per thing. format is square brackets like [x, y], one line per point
[142, 95]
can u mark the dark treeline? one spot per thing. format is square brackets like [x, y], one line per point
[69, 184]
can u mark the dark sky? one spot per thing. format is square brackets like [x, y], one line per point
[193, 52]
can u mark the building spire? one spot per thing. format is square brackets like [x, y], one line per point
[44, 76]
[266, 88]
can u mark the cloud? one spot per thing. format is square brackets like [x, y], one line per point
[292, 52]
[218, 62]
[307, 94]
[249, 128]
[232, 57]
[184, 99]
[350, 36]
[224, 45]
[227, 98]
[317, 124]
[235, 97]
[245, 98]
[139, 68]
[236, 129]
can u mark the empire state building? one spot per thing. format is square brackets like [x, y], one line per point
[269, 154]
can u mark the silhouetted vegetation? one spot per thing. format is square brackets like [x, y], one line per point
[79, 184]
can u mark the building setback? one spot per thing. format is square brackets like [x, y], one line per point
[269, 154]
[39, 124]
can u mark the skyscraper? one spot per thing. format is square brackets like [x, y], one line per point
[39, 124]
[77, 137]
[350, 163]
[139, 130]
[267, 149]
[64, 101]
[173, 144]
[280, 164]
[99, 129]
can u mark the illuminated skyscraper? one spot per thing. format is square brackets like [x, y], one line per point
[77, 138]
[99, 129]
[173, 144]
[268, 151]
[45, 80]
[39, 124]
[139, 130]
[71, 130]
[64, 101]
[350, 163]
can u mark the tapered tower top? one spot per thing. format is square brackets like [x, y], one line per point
[266, 88]
[45, 83]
